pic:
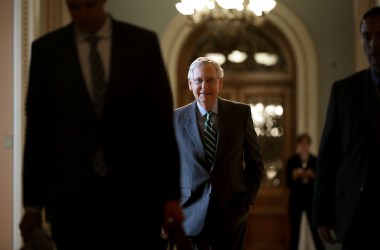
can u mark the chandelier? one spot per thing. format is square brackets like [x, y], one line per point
[205, 10]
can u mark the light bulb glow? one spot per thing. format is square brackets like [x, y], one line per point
[237, 56]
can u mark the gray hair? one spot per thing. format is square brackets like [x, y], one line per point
[204, 60]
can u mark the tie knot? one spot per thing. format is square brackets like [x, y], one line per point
[93, 40]
[209, 114]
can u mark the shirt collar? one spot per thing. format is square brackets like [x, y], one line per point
[203, 111]
[104, 32]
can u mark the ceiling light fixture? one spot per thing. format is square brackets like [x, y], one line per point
[265, 58]
[237, 56]
[203, 10]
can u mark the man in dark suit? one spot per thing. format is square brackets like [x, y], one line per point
[218, 188]
[104, 166]
[345, 207]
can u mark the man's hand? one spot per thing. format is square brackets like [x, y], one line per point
[29, 221]
[172, 214]
[172, 229]
[326, 234]
[297, 173]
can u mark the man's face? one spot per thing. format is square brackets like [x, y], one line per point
[205, 85]
[87, 15]
[370, 38]
[303, 146]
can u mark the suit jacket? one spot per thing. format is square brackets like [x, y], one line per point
[346, 153]
[227, 179]
[135, 132]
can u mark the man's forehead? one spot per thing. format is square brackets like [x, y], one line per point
[205, 68]
[371, 24]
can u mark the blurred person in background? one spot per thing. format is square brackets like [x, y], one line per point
[348, 169]
[300, 174]
[101, 158]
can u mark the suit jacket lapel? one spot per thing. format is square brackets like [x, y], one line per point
[224, 123]
[191, 126]
[72, 80]
[115, 58]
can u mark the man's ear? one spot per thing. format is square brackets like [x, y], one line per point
[220, 83]
[189, 84]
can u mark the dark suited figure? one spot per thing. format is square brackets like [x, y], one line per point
[300, 173]
[97, 170]
[348, 168]
[216, 193]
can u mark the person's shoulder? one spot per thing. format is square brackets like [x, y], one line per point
[294, 157]
[55, 36]
[64, 30]
[183, 108]
[292, 161]
[313, 156]
[233, 103]
[234, 107]
[351, 85]
[352, 79]
[181, 112]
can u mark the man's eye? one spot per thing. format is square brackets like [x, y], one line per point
[199, 81]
